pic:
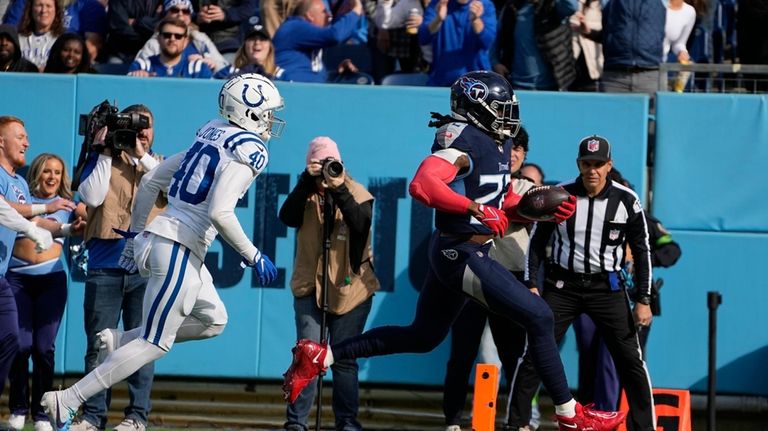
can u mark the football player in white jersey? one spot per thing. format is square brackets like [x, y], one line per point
[203, 184]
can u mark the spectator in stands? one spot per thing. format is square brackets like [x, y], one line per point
[257, 55]
[108, 185]
[69, 54]
[393, 38]
[534, 44]
[222, 20]
[130, 24]
[10, 52]
[588, 53]
[274, 12]
[300, 40]
[681, 18]
[173, 60]
[41, 24]
[633, 45]
[200, 46]
[461, 33]
[39, 284]
[88, 18]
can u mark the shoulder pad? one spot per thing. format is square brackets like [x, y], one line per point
[248, 148]
[448, 134]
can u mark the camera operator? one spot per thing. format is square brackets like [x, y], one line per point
[351, 280]
[108, 185]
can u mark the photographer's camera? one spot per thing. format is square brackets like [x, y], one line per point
[122, 127]
[332, 167]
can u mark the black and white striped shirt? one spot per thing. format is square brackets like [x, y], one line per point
[593, 240]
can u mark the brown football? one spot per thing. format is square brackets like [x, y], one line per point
[540, 203]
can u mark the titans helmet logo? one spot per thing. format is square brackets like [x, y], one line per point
[474, 89]
[249, 103]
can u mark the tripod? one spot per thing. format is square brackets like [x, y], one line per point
[328, 219]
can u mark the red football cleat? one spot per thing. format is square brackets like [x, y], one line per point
[587, 419]
[307, 364]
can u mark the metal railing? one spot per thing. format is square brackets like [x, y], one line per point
[714, 78]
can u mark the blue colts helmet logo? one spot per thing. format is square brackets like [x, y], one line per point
[247, 102]
[475, 90]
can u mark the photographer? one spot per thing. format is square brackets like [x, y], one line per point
[351, 280]
[108, 185]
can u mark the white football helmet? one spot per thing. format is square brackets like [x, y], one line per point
[250, 101]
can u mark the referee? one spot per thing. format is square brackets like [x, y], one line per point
[582, 276]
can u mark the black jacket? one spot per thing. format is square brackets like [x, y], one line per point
[357, 216]
[15, 63]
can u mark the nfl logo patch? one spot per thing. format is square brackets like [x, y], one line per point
[538, 202]
[593, 145]
[613, 235]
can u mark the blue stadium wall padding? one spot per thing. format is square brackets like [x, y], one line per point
[711, 162]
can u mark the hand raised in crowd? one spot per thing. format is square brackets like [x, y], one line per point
[59, 204]
[346, 65]
[442, 9]
[358, 7]
[210, 13]
[206, 60]
[579, 23]
[414, 20]
[475, 10]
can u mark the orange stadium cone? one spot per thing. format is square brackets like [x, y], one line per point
[484, 405]
[673, 409]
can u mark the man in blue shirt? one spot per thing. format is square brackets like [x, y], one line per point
[299, 41]
[461, 33]
[173, 60]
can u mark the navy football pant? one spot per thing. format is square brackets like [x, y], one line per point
[460, 270]
[9, 331]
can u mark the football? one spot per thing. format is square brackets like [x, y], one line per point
[540, 203]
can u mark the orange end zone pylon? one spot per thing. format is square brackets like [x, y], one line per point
[484, 405]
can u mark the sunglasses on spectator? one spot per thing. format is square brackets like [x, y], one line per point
[179, 10]
[168, 35]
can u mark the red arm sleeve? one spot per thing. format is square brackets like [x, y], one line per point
[430, 186]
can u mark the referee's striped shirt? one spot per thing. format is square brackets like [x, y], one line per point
[593, 240]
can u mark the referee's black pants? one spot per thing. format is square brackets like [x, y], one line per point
[611, 312]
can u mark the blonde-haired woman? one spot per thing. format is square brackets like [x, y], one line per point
[255, 55]
[39, 284]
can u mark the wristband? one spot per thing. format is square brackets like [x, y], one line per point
[66, 229]
[38, 209]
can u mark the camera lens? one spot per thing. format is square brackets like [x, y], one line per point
[333, 168]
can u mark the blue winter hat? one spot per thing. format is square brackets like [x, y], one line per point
[183, 4]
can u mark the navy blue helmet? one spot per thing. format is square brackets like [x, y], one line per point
[486, 100]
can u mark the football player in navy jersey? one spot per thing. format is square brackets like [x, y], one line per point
[466, 180]
[203, 185]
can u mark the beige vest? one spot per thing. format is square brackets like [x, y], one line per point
[346, 289]
[115, 211]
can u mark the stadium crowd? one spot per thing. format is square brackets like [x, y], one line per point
[577, 45]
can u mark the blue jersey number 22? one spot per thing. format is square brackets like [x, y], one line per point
[194, 165]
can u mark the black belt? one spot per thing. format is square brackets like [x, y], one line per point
[579, 277]
[630, 69]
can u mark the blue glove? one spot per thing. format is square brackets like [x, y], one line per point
[265, 269]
